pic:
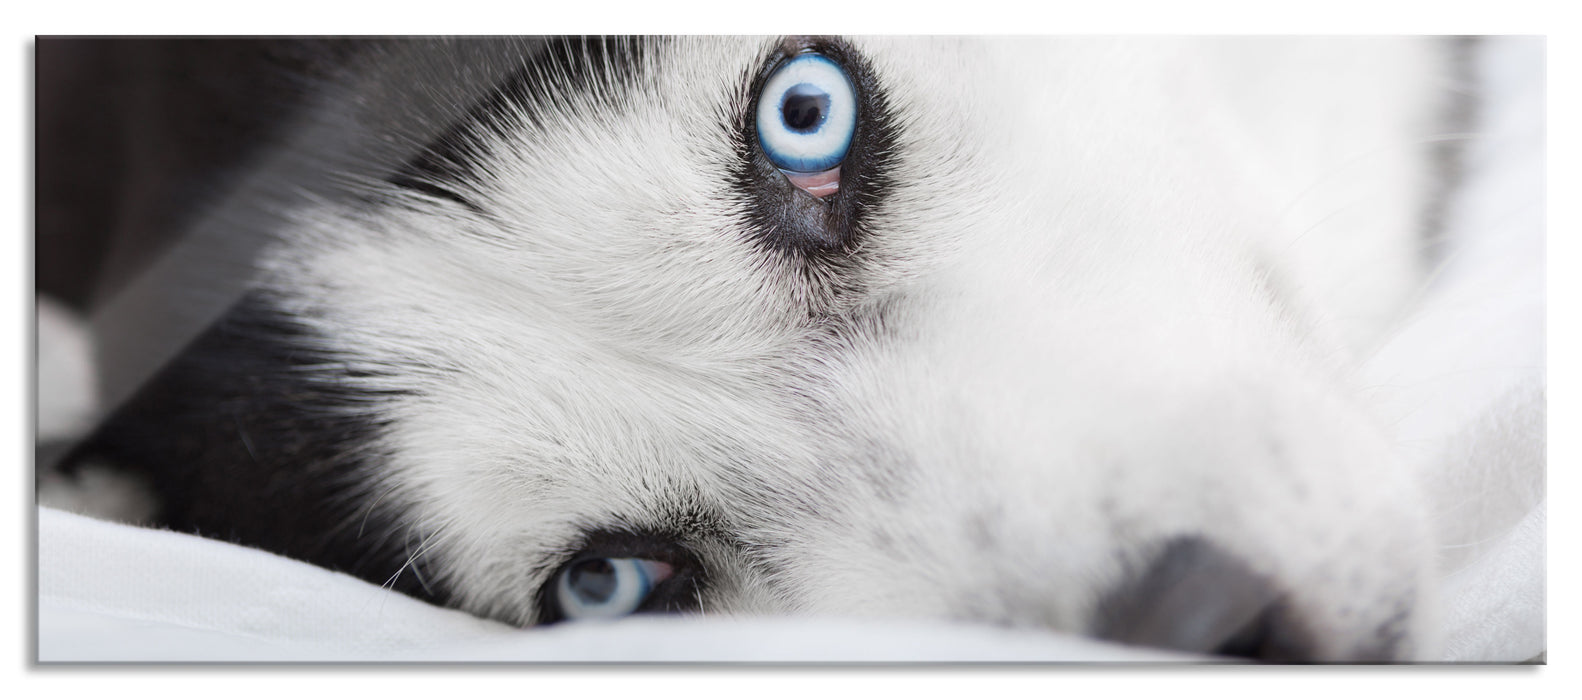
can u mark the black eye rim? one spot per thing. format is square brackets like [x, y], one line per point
[678, 593]
[787, 221]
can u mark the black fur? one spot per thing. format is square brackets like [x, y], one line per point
[596, 65]
[244, 437]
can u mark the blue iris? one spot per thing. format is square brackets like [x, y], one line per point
[606, 588]
[807, 113]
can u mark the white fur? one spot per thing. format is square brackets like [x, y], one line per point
[1125, 283]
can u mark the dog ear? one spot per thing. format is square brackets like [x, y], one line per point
[239, 437]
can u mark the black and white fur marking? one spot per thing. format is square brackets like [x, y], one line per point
[1071, 347]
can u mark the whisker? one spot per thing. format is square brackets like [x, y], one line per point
[370, 509]
[423, 547]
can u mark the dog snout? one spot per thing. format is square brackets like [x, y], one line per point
[1198, 597]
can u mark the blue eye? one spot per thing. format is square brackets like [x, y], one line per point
[807, 113]
[607, 588]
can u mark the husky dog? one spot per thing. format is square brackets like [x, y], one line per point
[1049, 333]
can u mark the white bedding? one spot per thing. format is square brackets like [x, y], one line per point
[1463, 382]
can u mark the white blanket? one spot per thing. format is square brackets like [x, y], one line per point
[1463, 382]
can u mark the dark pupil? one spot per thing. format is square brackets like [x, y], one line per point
[593, 580]
[804, 107]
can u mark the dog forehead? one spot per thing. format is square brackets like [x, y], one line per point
[639, 170]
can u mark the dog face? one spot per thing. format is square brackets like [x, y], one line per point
[1065, 345]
